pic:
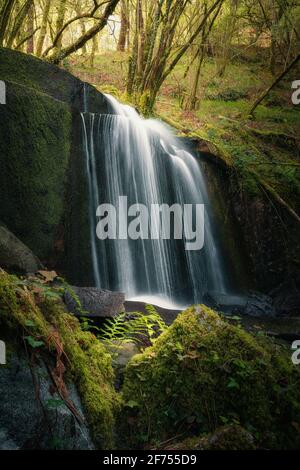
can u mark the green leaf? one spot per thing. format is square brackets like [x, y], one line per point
[33, 342]
[51, 295]
[224, 419]
[232, 383]
[54, 402]
[29, 323]
[132, 404]
[235, 317]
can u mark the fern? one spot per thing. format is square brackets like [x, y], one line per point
[140, 328]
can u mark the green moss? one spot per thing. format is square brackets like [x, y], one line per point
[204, 372]
[37, 75]
[84, 356]
[93, 373]
[14, 67]
[35, 134]
[232, 437]
[200, 374]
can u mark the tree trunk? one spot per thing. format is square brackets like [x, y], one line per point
[227, 39]
[191, 104]
[275, 82]
[30, 30]
[79, 43]
[83, 29]
[124, 27]
[20, 19]
[5, 14]
[43, 32]
[61, 10]
[141, 39]
[94, 50]
[149, 64]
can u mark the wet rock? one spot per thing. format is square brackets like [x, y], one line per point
[253, 304]
[121, 353]
[124, 351]
[33, 416]
[286, 296]
[168, 315]
[95, 302]
[14, 255]
[259, 305]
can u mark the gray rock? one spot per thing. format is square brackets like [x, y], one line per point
[286, 296]
[14, 255]
[95, 302]
[121, 353]
[5, 442]
[32, 414]
[253, 304]
[168, 315]
[260, 305]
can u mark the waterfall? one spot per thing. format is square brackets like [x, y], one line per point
[127, 155]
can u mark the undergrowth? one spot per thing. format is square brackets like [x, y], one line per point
[38, 314]
[142, 329]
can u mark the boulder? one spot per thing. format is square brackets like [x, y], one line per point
[168, 315]
[286, 296]
[253, 304]
[43, 184]
[121, 352]
[95, 302]
[229, 437]
[33, 416]
[14, 255]
[51, 362]
[204, 372]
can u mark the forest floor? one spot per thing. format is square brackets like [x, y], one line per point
[267, 145]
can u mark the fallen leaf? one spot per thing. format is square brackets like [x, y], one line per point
[48, 276]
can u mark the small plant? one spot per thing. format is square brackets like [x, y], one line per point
[140, 328]
[85, 322]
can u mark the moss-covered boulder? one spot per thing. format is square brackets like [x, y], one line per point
[35, 316]
[15, 255]
[230, 437]
[43, 187]
[41, 76]
[35, 139]
[204, 372]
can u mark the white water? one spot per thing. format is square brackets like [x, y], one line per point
[141, 159]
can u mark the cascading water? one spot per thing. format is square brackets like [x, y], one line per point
[141, 159]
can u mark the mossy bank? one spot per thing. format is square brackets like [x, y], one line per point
[202, 373]
[38, 317]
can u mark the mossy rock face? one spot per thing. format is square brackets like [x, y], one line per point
[40, 75]
[35, 134]
[204, 372]
[56, 335]
[43, 185]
